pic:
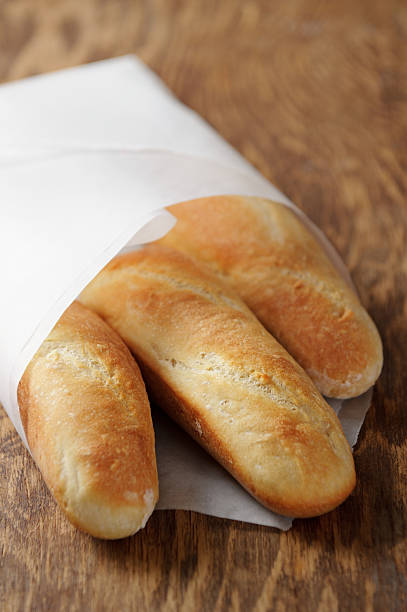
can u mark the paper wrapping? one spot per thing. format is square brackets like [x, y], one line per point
[88, 159]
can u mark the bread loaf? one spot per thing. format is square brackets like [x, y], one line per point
[282, 273]
[213, 367]
[87, 419]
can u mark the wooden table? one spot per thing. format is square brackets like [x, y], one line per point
[315, 95]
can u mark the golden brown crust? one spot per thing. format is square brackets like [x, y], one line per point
[215, 369]
[282, 273]
[87, 419]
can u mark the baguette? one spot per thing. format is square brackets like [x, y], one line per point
[283, 274]
[213, 367]
[87, 419]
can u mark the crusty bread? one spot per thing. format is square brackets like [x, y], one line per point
[282, 273]
[87, 419]
[214, 368]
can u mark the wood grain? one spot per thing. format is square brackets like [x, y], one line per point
[315, 95]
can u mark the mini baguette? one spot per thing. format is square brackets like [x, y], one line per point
[283, 274]
[87, 419]
[212, 366]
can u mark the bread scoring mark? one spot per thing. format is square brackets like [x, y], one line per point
[305, 279]
[215, 295]
[214, 366]
[83, 361]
